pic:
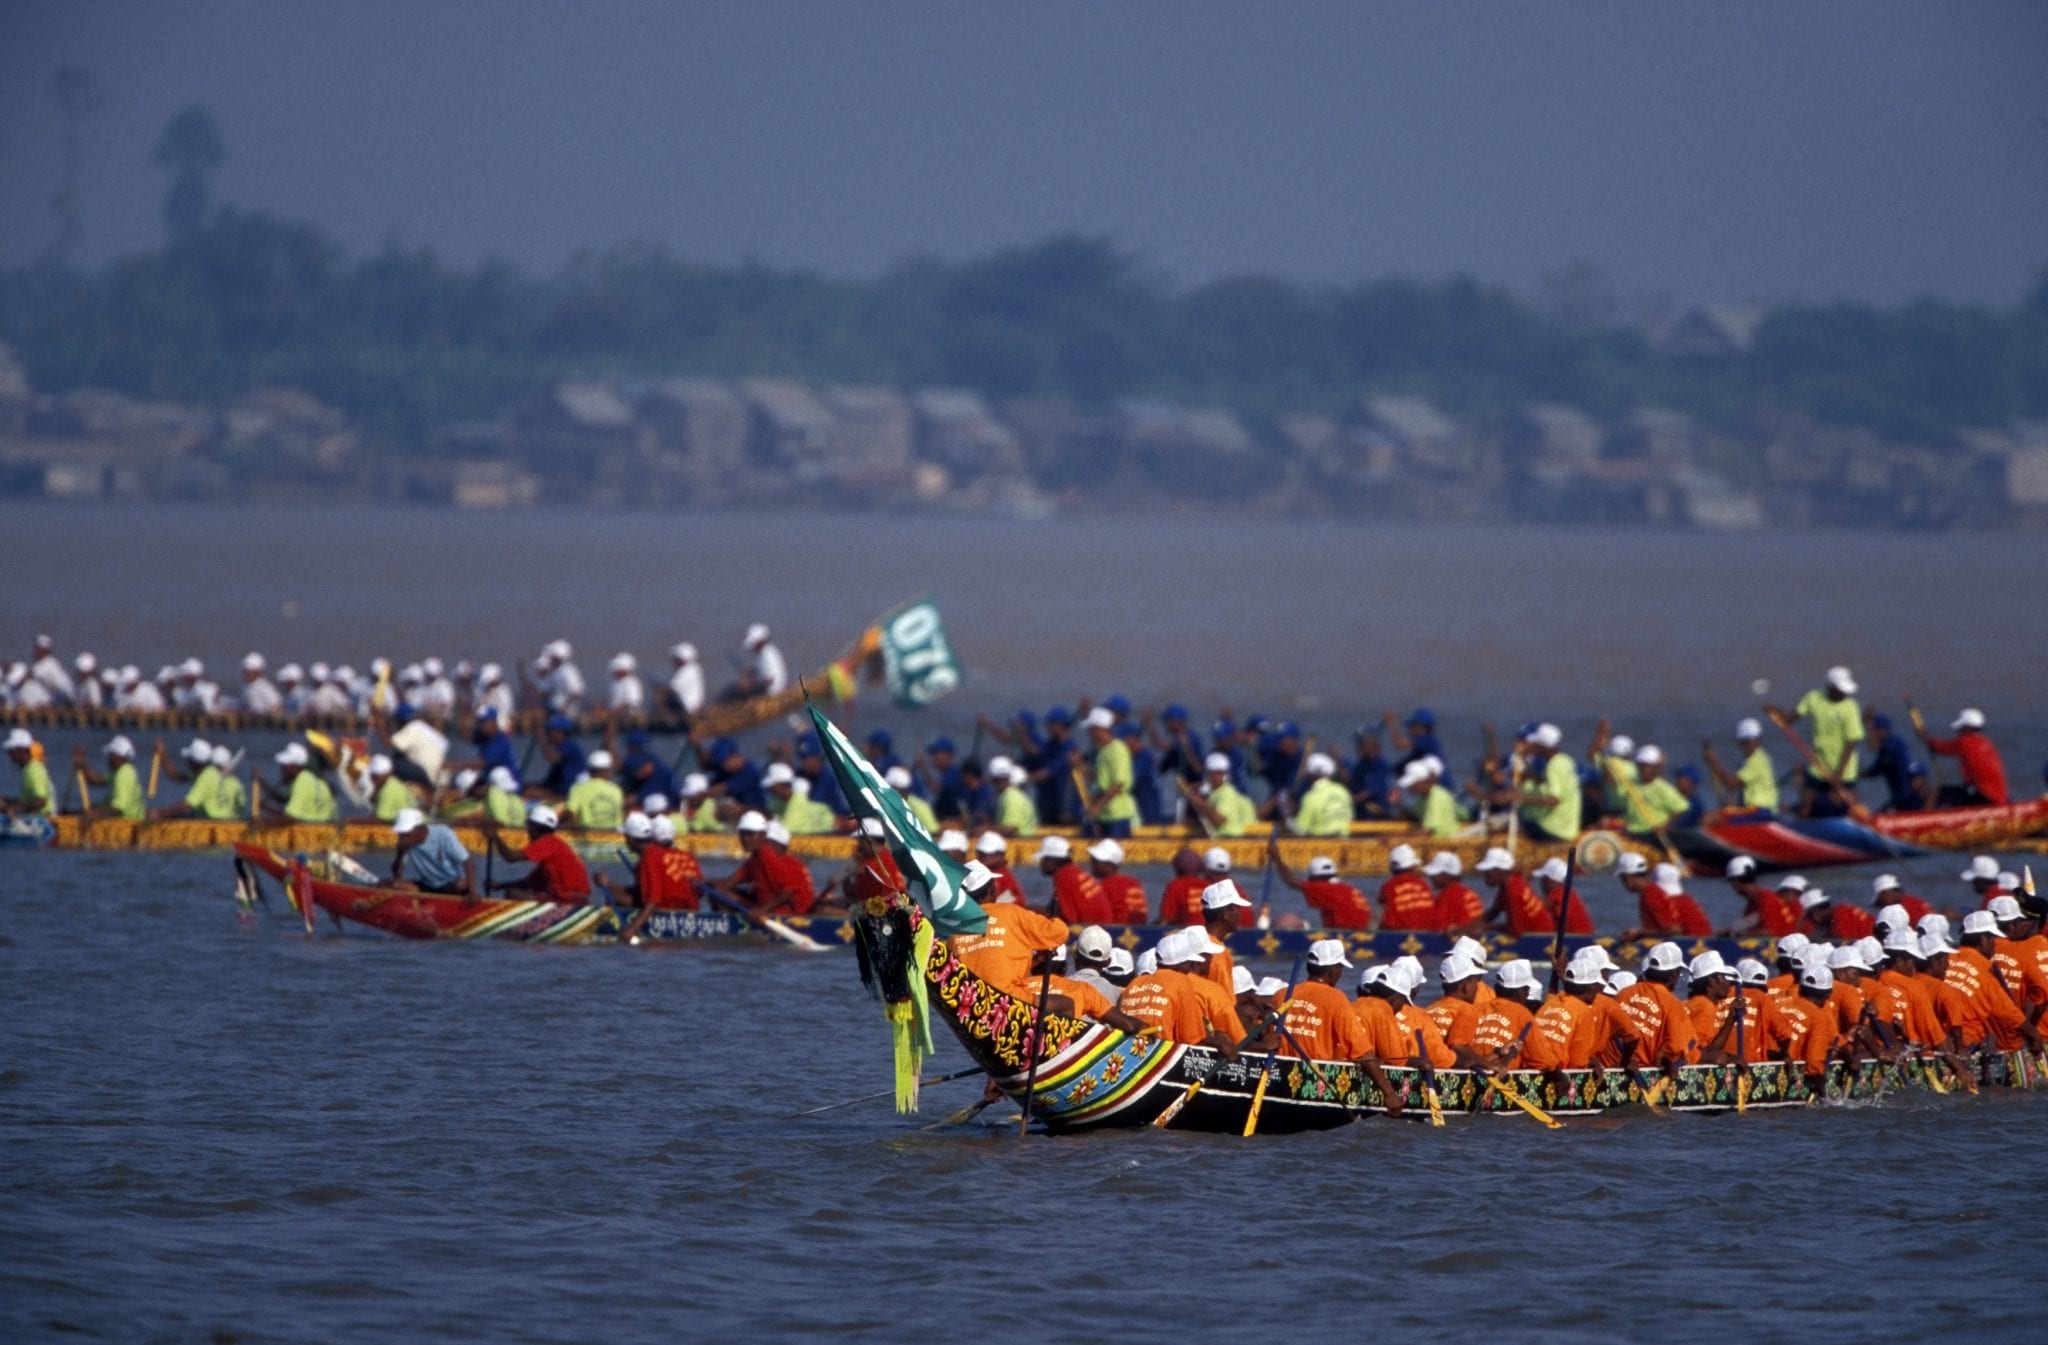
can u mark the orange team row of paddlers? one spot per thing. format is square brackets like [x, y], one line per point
[1905, 991]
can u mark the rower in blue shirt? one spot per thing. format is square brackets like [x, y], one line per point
[941, 760]
[641, 772]
[1144, 772]
[1417, 739]
[1904, 778]
[1280, 755]
[494, 746]
[1178, 746]
[1223, 737]
[881, 754]
[1368, 775]
[810, 765]
[567, 761]
[1052, 780]
[741, 778]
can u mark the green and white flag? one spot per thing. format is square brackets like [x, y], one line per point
[917, 660]
[934, 879]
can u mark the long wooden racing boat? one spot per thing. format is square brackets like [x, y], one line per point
[1091, 1076]
[1778, 842]
[424, 916]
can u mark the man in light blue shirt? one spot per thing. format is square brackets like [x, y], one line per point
[429, 858]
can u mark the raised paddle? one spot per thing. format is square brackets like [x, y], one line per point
[1037, 1046]
[885, 1092]
[1562, 917]
[1833, 779]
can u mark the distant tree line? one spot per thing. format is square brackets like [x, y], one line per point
[404, 342]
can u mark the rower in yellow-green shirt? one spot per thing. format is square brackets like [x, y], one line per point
[1551, 800]
[1754, 783]
[302, 796]
[1651, 801]
[805, 816]
[1016, 810]
[1434, 807]
[596, 801]
[1837, 723]
[389, 796]
[1113, 804]
[35, 796]
[123, 784]
[230, 799]
[1325, 808]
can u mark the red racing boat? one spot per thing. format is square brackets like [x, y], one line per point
[1778, 842]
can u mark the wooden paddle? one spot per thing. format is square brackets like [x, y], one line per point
[1514, 1095]
[1429, 1093]
[1037, 1046]
[1814, 767]
[794, 938]
[884, 1092]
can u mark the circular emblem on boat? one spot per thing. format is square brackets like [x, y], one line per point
[1599, 851]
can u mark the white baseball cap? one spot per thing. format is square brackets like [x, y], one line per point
[683, 652]
[1216, 761]
[1547, 735]
[2005, 908]
[655, 804]
[872, 826]
[1664, 957]
[1242, 981]
[1093, 944]
[1147, 962]
[252, 662]
[1104, 851]
[380, 764]
[1811, 898]
[991, 843]
[1842, 680]
[1054, 847]
[778, 773]
[664, 830]
[1495, 858]
[1269, 986]
[1848, 956]
[1621, 745]
[1632, 863]
[777, 833]
[1745, 729]
[1319, 764]
[1983, 868]
[1120, 962]
[1099, 718]
[1793, 882]
[1322, 866]
[976, 877]
[898, 778]
[120, 746]
[1187, 944]
[1980, 922]
[953, 841]
[1327, 953]
[696, 782]
[1413, 774]
[1933, 944]
[294, 754]
[1934, 922]
[1553, 869]
[755, 634]
[198, 750]
[1443, 862]
[601, 760]
[1515, 974]
[1456, 967]
[1471, 948]
[407, 820]
[999, 767]
[623, 663]
[751, 820]
[1895, 916]
[540, 815]
[1902, 941]
[1752, 972]
[1870, 950]
[1216, 896]
[1883, 883]
[1707, 964]
[1649, 754]
[1579, 971]
[1216, 859]
[1968, 719]
[1817, 978]
[1403, 857]
[501, 778]
[639, 826]
[1667, 875]
[1620, 981]
[1742, 866]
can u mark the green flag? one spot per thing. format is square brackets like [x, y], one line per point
[917, 660]
[934, 879]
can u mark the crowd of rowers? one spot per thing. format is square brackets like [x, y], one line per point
[1105, 768]
[1907, 990]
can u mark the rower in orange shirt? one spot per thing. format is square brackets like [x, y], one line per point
[1567, 1031]
[1080, 998]
[1125, 894]
[1076, 897]
[1475, 952]
[1407, 902]
[1337, 904]
[1202, 1011]
[1456, 1012]
[1954, 1011]
[1002, 953]
[1711, 1005]
[1458, 908]
[1764, 1029]
[1789, 949]
[1847, 964]
[1656, 1015]
[1504, 1024]
[1322, 1022]
[1423, 1038]
[1814, 1028]
[1903, 967]
[1970, 970]
[2020, 954]
[1222, 905]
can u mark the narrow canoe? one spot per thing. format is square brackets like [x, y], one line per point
[1094, 1077]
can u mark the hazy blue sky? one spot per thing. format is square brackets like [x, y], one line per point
[1722, 151]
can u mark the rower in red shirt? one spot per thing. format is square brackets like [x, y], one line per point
[1076, 897]
[1886, 891]
[1336, 905]
[1767, 913]
[774, 881]
[874, 874]
[1407, 901]
[1657, 917]
[1555, 896]
[1983, 772]
[1514, 904]
[1125, 894]
[1181, 902]
[1835, 921]
[1458, 908]
[993, 852]
[558, 873]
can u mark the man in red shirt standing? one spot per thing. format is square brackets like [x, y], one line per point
[557, 874]
[1076, 897]
[1983, 772]
[1337, 904]
[1407, 901]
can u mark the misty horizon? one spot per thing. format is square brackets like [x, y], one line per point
[1747, 156]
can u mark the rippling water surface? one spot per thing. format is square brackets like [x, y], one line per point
[215, 1131]
[219, 1132]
